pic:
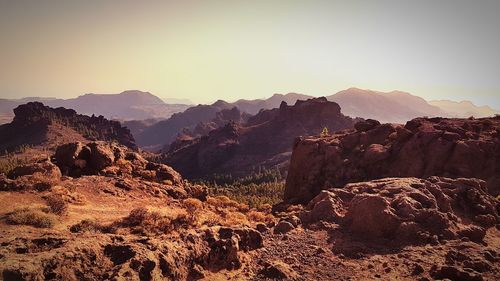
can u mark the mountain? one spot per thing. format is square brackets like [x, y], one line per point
[128, 105]
[37, 124]
[164, 132]
[254, 106]
[464, 109]
[178, 101]
[264, 141]
[392, 107]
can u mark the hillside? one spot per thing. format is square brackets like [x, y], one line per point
[128, 105]
[264, 141]
[35, 124]
[166, 131]
[464, 109]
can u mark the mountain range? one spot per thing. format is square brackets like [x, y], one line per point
[127, 105]
[155, 123]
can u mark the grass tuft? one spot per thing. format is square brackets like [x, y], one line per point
[27, 216]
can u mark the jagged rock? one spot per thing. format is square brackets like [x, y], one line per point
[248, 239]
[223, 253]
[408, 210]
[456, 273]
[101, 156]
[327, 206]
[278, 270]
[76, 159]
[366, 125]
[283, 227]
[454, 148]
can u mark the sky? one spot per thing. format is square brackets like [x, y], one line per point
[208, 50]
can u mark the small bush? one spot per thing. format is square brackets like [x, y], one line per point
[26, 216]
[143, 221]
[57, 204]
[193, 205]
[259, 216]
[88, 225]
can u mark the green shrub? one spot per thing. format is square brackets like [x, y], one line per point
[253, 195]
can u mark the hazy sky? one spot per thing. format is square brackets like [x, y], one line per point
[208, 50]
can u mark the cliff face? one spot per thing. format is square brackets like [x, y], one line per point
[423, 147]
[264, 141]
[35, 123]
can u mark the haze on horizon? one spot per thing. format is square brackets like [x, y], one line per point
[208, 50]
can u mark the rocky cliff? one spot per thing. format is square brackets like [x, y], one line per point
[423, 147]
[35, 124]
[264, 141]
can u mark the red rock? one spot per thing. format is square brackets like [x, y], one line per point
[454, 148]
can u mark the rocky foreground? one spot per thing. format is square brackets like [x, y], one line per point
[101, 211]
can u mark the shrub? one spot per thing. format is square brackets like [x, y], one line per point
[193, 205]
[253, 195]
[141, 220]
[26, 216]
[259, 216]
[88, 225]
[57, 204]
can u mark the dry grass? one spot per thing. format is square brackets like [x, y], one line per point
[257, 216]
[141, 220]
[27, 216]
[57, 204]
[92, 226]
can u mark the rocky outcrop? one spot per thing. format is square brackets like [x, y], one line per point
[421, 148]
[264, 141]
[76, 159]
[37, 124]
[166, 131]
[408, 210]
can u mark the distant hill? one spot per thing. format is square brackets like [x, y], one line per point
[392, 107]
[36, 124]
[464, 109]
[164, 132]
[128, 105]
[266, 140]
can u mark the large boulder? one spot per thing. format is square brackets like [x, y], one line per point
[409, 210]
[101, 155]
[45, 168]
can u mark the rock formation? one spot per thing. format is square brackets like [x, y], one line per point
[36, 124]
[408, 210]
[421, 148]
[265, 140]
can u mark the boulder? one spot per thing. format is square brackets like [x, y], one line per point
[408, 210]
[101, 155]
[278, 270]
[283, 227]
[46, 168]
